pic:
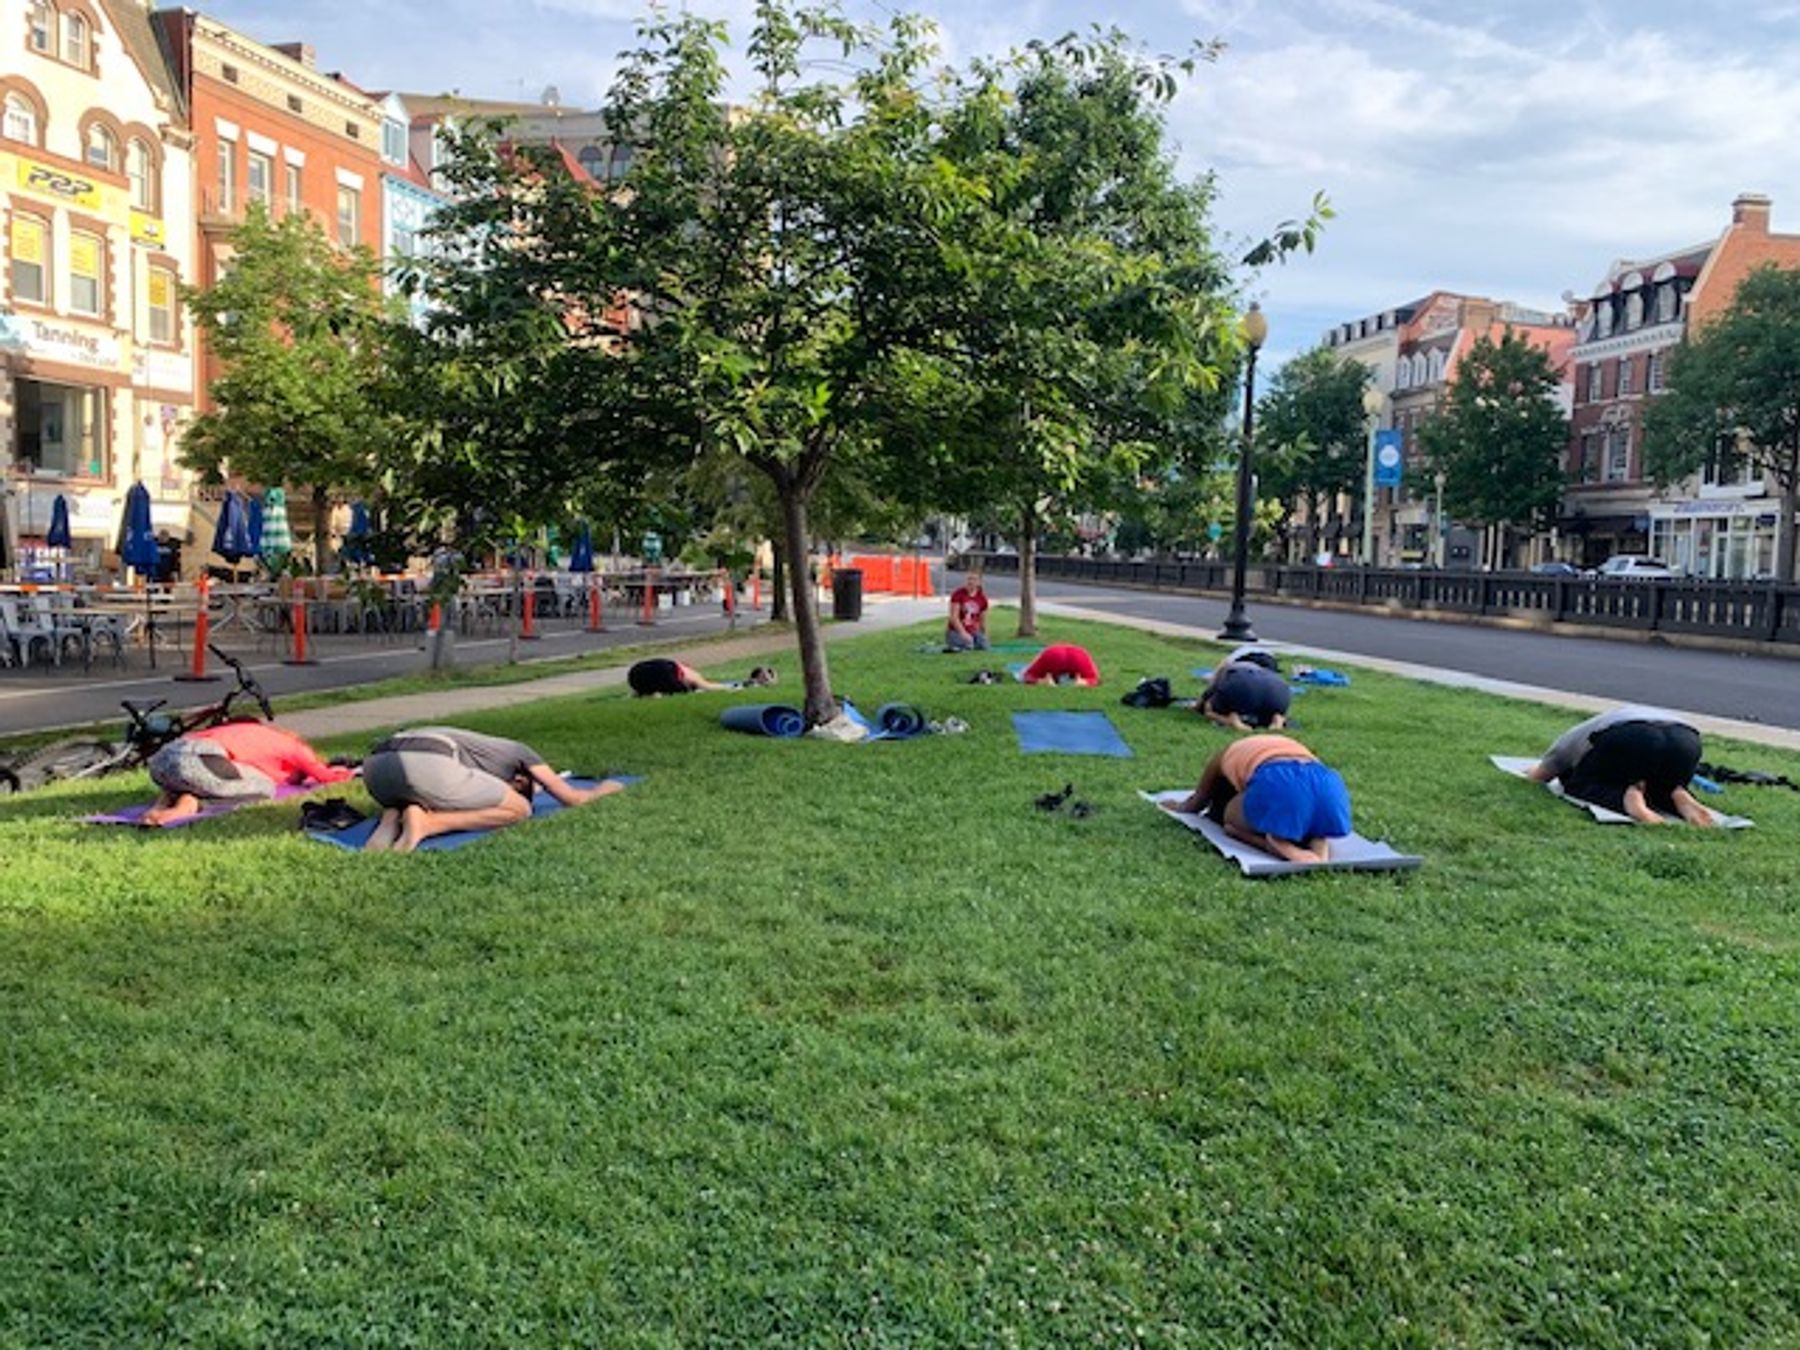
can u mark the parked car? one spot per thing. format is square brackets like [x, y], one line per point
[1555, 569]
[1637, 566]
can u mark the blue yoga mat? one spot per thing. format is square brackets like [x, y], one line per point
[1325, 679]
[892, 721]
[1069, 733]
[764, 719]
[542, 804]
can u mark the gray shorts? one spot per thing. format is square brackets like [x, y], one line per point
[201, 768]
[397, 778]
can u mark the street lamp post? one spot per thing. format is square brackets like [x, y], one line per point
[1373, 402]
[1255, 330]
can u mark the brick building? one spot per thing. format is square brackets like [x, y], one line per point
[1722, 523]
[96, 353]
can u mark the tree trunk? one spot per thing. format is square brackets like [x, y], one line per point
[778, 602]
[814, 673]
[1028, 524]
[1788, 535]
[321, 532]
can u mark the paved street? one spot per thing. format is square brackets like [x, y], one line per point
[1762, 689]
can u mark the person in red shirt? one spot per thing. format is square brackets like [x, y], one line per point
[967, 629]
[240, 761]
[1063, 663]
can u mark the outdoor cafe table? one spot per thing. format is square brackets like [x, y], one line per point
[150, 617]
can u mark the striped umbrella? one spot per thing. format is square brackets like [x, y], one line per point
[277, 540]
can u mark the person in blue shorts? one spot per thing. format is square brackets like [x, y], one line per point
[1272, 793]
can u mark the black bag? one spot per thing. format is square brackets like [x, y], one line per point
[329, 816]
[1151, 692]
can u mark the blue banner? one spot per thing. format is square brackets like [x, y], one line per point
[1389, 460]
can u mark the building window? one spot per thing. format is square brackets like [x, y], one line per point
[61, 431]
[1606, 318]
[1400, 375]
[1618, 455]
[1624, 376]
[1729, 466]
[293, 188]
[1588, 470]
[1596, 383]
[21, 120]
[75, 46]
[1634, 311]
[227, 187]
[140, 172]
[1665, 302]
[87, 256]
[40, 26]
[30, 259]
[1653, 377]
[393, 141]
[162, 306]
[259, 180]
[349, 216]
[294, 105]
[1437, 366]
[593, 161]
[102, 150]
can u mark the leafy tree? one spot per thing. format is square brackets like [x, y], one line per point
[1500, 438]
[1312, 433]
[298, 327]
[1734, 394]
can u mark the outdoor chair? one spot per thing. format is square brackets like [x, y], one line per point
[64, 629]
[26, 633]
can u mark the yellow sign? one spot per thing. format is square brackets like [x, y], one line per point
[48, 181]
[84, 255]
[27, 240]
[148, 230]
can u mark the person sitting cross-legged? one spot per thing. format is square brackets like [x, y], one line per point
[1272, 793]
[1633, 760]
[659, 675]
[437, 780]
[1063, 663]
[967, 627]
[239, 761]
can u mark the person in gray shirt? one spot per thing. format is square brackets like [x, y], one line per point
[435, 780]
[1635, 760]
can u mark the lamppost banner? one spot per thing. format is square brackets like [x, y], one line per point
[1388, 458]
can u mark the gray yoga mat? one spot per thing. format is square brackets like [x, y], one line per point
[1352, 853]
[1519, 766]
[764, 719]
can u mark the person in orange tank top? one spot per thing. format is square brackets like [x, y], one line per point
[1272, 793]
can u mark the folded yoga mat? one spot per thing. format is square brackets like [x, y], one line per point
[1351, 853]
[134, 815]
[1033, 647]
[892, 721]
[764, 719]
[542, 804]
[1069, 733]
[1519, 766]
[1324, 679]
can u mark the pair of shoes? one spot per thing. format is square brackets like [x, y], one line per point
[953, 726]
[332, 814]
[1053, 801]
[985, 677]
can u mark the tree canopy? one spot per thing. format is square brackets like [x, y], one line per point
[1312, 432]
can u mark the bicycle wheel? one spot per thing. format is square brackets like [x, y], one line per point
[61, 762]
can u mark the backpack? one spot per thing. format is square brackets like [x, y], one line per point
[1151, 692]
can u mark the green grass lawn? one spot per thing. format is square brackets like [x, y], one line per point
[809, 1043]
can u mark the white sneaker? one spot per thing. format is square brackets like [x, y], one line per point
[840, 728]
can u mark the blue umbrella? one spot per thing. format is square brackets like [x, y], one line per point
[581, 557]
[356, 539]
[253, 526]
[58, 535]
[231, 540]
[137, 540]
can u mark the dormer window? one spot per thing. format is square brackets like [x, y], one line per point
[393, 141]
[1665, 302]
[1606, 318]
[1634, 311]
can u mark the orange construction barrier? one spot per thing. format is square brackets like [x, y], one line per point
[596, 620]
[730, 595]
[202, 626]
[298, 623]
[435, 620]
[756, 589]
[649, 618]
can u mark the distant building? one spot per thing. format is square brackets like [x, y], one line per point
[409, 201]
[96, 351]
[1724, 522]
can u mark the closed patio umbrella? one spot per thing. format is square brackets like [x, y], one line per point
[356, 539]
[231, 539]
[137, 536]
[58, 534]
[581, 557]
[277, 541]
[253, 526]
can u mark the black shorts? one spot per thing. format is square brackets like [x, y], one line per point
[1660, 755]
[1254, 694]
[656, 676]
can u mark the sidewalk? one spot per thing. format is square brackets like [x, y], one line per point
[1781, 738]
[446, 705]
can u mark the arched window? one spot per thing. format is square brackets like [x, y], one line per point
[1606, 318]
[1665, 302]
[140, 172]
[21, 122]
[41, 28]
[1634, 310]
[1437, 366]
[102, 148]
[620, 165]
[76, 47]
[593, 161]
[1418, 373]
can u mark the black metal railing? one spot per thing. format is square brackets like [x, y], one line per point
[1757, 611]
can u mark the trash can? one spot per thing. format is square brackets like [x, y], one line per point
[846, 594]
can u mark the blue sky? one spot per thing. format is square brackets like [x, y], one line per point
[1512, 150]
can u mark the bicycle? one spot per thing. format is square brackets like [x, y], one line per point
[146, 732]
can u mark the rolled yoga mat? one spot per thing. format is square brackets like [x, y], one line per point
[900, 721]
[764, 719]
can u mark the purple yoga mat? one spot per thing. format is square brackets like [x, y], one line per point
[134, 815]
